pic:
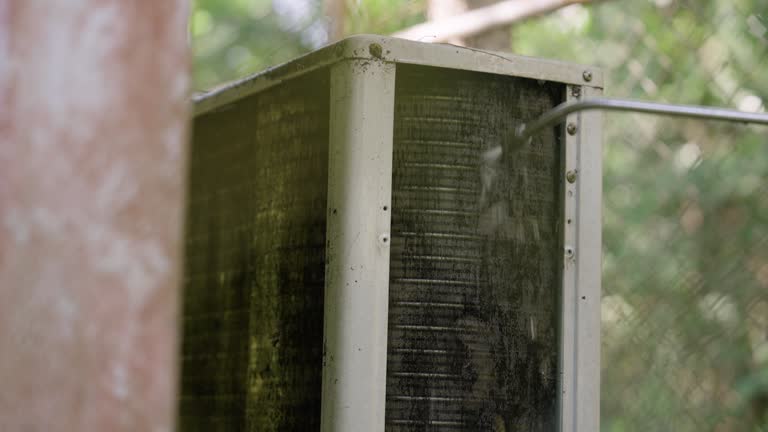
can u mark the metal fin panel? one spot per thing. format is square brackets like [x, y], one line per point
[255, 252]
[474, 267]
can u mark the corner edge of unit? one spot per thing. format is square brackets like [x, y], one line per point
[397, 50]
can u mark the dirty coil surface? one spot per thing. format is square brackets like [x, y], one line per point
[254, 271]
[472, 340]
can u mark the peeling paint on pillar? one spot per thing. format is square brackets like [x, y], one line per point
[92, 154]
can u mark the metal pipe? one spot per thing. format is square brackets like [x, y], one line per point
[524, 132]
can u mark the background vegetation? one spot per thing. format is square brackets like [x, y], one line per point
[685, 307]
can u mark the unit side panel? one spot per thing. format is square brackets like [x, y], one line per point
[474, 265]
[254, 270]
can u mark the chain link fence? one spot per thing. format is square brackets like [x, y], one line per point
[685, 278]
[685, 269]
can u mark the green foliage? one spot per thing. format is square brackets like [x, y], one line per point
[686, 261]
[233, 38]
[383, 16]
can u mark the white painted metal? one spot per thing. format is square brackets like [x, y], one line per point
[402, 51]
[589, 266]
[568, 296]
[582, 262]
[359, 187]
[357, 252]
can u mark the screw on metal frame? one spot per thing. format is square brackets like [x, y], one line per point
[576, 91]
[525, 132]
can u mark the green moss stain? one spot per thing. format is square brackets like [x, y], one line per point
[255, 240]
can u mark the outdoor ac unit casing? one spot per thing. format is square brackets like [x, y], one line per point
[357, 259]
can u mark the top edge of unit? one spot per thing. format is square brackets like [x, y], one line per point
[395, 50]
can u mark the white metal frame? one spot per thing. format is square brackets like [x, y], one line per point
[582, 264]
[359, 187]
[374, 48]
[357, 252]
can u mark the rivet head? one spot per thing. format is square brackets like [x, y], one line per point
[576, 91]
[571, 128]
[569, 252]
[587, 75]
[571, 176]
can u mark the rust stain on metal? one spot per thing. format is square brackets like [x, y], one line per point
[376, 50]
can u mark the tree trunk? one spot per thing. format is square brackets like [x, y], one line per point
[498, 38]
[438, 10]
[466, 25]
[336, 11]
[93, 115]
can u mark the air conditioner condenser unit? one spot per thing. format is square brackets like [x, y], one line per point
[360, 256]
